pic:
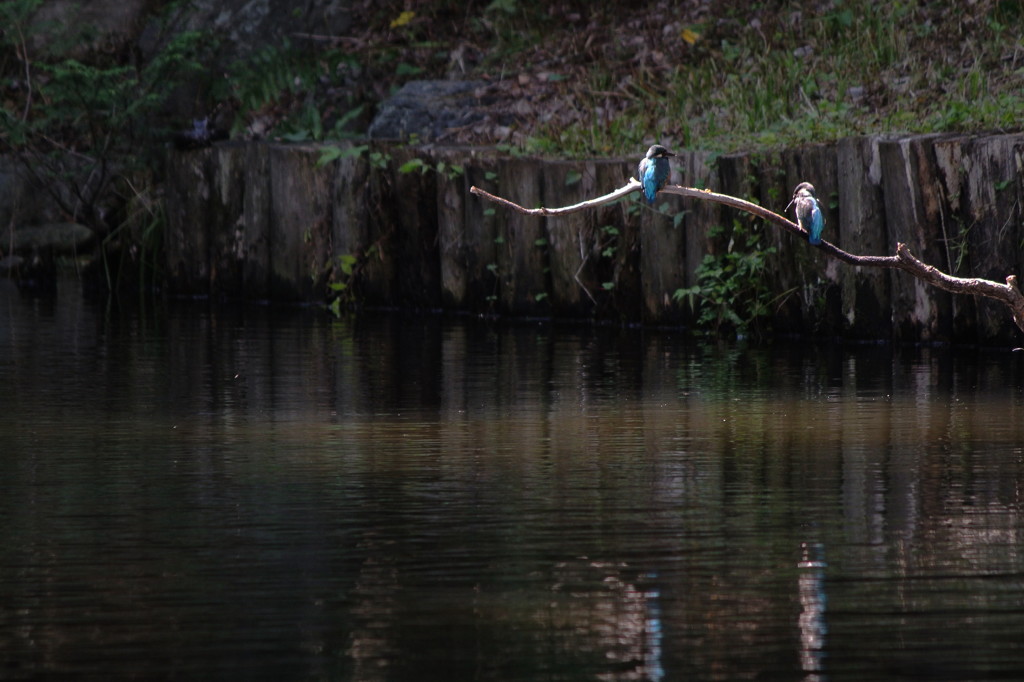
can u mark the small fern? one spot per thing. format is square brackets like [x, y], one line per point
[271, 74]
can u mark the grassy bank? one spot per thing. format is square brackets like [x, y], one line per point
[773, 75]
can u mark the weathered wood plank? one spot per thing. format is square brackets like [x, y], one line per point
[662, 254]
[991, 220]
[452, 190]
[256, 222]
[418, 274]
[479, 248]
[916, 216]
[226, 226]
[300, 229]
[949, 176]
[187, 239]
[861, 227]
[696, 170]
[349, 230]
[617, 247]
[791, 266]
[377, 284]
[522, 258]
[571, 239]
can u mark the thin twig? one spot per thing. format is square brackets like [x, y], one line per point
[565, 210]
[576, 276]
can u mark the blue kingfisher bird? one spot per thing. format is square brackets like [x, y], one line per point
[654, 170]
[808, 213]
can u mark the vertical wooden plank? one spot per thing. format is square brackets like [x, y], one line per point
[227, 207]
[772, 188]
[867, 311]
[991, 219]
[617, 245]
[949, 177]
[787, 266]
[483, 224]
[187, 240]
[736, 177]
[915, 216]
[522, 258]
[377, 285]
[256, 222]
[349, 236]
[300, 223]
[571, 240]
[418, 275]
[663, 253]
[452, 196]
[697, 169]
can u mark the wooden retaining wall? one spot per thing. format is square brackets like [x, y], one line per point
[261, 220]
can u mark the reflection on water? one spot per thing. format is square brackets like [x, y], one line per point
[252, 494]
[812, 611]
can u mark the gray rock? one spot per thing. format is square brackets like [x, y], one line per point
[110, 22]
[427, 109]
[246, 26]
[241, 29]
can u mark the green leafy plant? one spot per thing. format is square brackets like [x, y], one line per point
[732, 294]
[608, 236]
[335, 152]
[379, 160]
[449, 170]
[412, 165]
[340, 287]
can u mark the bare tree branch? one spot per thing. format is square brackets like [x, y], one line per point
[1008, 294]
[629, 188]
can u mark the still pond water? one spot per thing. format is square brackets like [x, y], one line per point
[238, 493]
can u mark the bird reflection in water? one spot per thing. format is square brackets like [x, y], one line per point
[812, 610]
[613, 615]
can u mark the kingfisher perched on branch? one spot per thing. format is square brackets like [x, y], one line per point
[808, 213]
[654, 170]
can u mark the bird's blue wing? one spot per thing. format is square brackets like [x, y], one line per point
[817, 224]
[645, 173]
